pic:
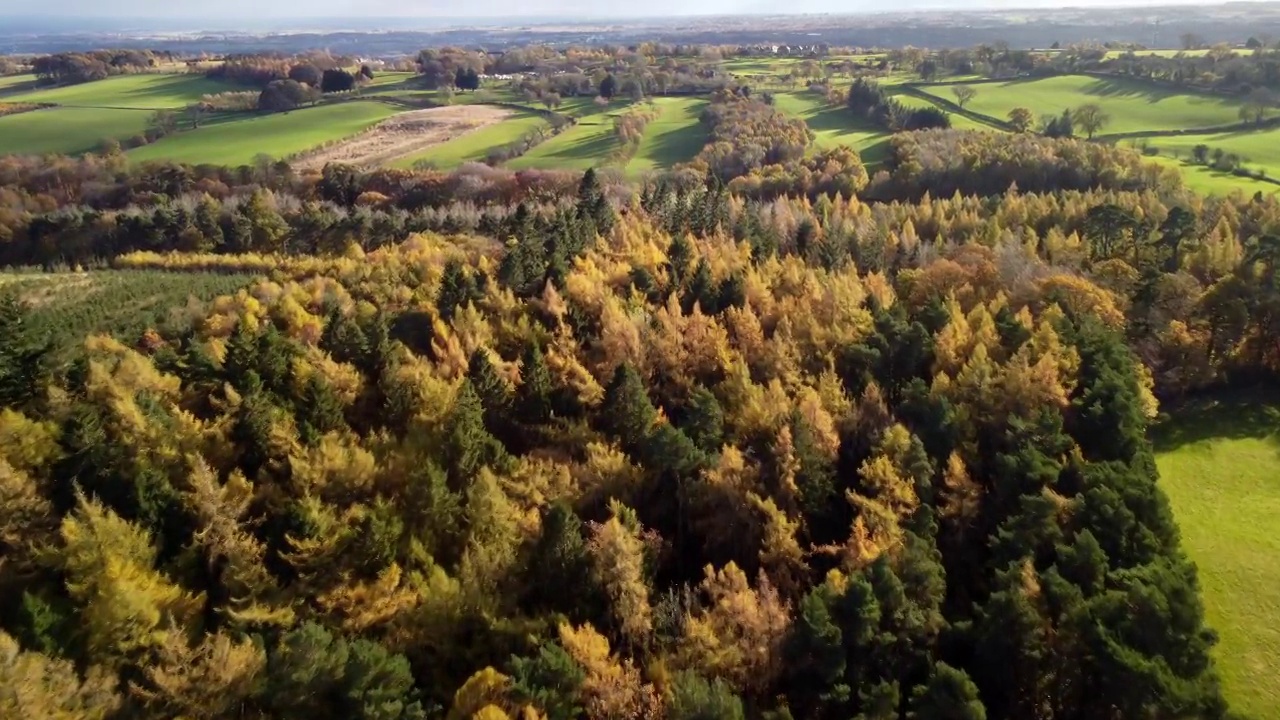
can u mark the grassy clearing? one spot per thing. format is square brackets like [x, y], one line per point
[1219, 464]
[67, 130]
[588, 144]
[833, 126]
[674, 137]
[1133, 105]
[237, 141]
[151, 92]
[475, 145]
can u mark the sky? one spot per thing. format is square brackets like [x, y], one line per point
[202, 9]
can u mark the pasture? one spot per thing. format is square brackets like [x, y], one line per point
[239, 140]
[10, 84]
[67, 130]
[675, 136]
[834, 126]
[1219, 462]
[474, 146]
[1133, 105]
[1258, 149]
[958, 121]
[147, 92]
[588, 144]
[1207, 181]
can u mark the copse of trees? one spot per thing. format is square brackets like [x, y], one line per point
[286, 95]
[867, 100]
[260, 70]
[337, 80]
[746, 133]
[466, 78]
[79, 67]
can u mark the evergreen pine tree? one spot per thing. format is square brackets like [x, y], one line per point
[534, 396]
[627, 413]
[948, 695]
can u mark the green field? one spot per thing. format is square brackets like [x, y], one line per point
[1219, 464]
[238, 141]
[475, 145]
[15, 83]
[151, 92]
[67, 130]
[834, 126]
[383, 79]
[588, 144]
[1259, 149]
[676, 135]
[1206, 181]
[958, 121]
[1132, 105]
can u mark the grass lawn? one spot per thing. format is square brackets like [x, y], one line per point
[1133, 105]
[1258, 149]
[475, 145]
[131, 91]
[1219, 464]
[1206, 181]
[67, 130]
[674, 137]
[588, 144]
[238, 141]
[833, 126]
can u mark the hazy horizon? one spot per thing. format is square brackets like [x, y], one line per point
[196, 12]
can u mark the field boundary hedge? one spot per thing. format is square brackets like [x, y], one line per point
[913, 91]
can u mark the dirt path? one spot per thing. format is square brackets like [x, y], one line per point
[404, 134]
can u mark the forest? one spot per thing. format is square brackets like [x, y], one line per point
[778, 442]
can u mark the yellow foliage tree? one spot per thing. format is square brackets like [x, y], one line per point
[617, 554]
[613, 687]
[739, 633]
[127, 606]
[33, 686]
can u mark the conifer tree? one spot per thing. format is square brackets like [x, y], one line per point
[627, 413]
[468, 444]
[534, 398]
[22, 360]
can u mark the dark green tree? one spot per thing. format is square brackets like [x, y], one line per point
[23, 359]
[551, 680]
[695, 698]
[704, 420]
[468, 444]
[627, 414]
[534, 398]
[948, 695]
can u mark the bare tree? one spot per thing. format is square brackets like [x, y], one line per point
[963, 93]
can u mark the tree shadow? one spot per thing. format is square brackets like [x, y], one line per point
[1241, 413]
[675, 145]
[1151, 93]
